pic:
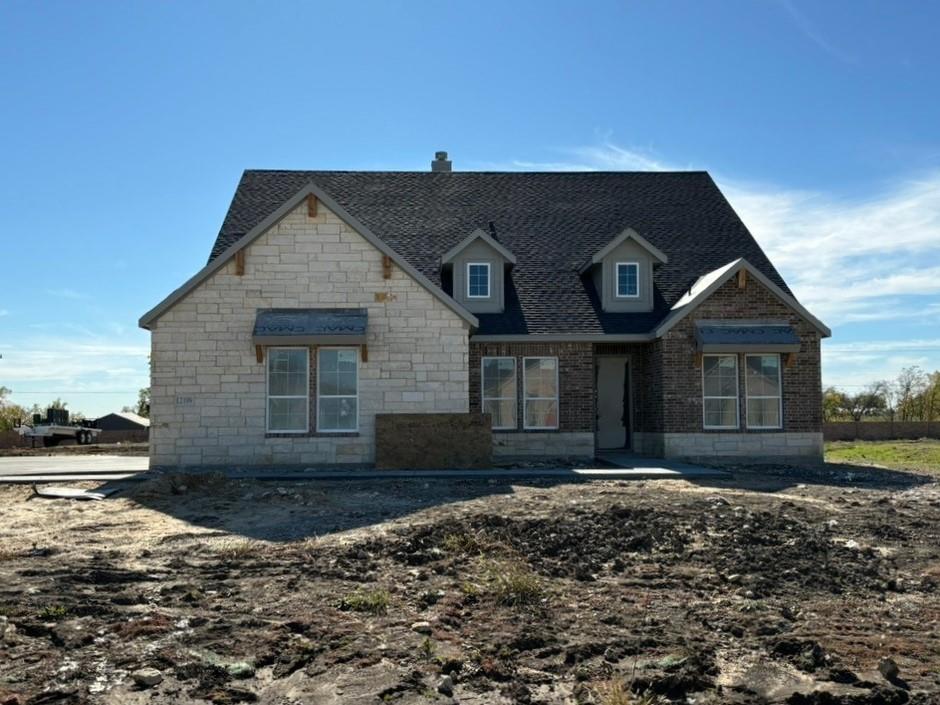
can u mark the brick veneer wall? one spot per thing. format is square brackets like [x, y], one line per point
[209, 392]
[432, 441]
[575, 380]
[681, 376]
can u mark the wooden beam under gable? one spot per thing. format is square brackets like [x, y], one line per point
[386, 267]
[240, 263]
[312, 206]
[742, 278]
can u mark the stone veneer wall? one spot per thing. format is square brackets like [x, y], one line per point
[679, 431]
[209, 392]
[575, 434]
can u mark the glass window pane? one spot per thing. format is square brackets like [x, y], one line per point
[721, 412]
[720, 376]
[540, 377]
[287, 414]
[478, 280]
[763, 375]
[541, 413]
[627, 275]
[287, 372]
[337, 414]
[763, 412]
[337, 372]
[503, 412]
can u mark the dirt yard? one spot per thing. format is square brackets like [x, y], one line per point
[777, 586]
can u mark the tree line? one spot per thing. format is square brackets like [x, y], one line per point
[913, 396]
[12, 415]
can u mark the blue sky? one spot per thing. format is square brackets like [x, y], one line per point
[124, 128]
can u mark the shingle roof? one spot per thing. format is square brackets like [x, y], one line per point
[551, 221]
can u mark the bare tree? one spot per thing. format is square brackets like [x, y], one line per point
[873, 399]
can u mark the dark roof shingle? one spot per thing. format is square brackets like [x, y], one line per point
[552, 222]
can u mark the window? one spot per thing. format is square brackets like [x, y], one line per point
[720, 391]
[762, 387]
[478, 280]
[288, 390]
[628, 280]
[499, 390]
[338, 390]
[540, 380]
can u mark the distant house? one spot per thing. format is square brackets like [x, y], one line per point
[123, 421]
[580, 311]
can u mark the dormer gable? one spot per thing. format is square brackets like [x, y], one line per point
[622, 272]
[479, 263]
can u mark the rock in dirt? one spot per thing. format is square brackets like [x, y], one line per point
[147, 677]
[445, 686]
[889, 669]
[421, 627]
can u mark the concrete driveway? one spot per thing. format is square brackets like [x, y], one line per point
[78, 467]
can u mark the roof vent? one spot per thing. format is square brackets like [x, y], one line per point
[441, 162]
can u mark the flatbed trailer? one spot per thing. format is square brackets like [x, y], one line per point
[55, 427]
[53, 434]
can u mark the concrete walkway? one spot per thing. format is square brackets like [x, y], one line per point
[112, 467]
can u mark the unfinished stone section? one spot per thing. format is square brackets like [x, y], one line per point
[432, 441]
[676, 427]
[209, 390]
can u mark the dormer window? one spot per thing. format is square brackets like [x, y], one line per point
[478, 280]
[628, 280]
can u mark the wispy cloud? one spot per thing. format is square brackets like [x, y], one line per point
[870, 261]
[4, 312]
[811, 31]
[67, 293]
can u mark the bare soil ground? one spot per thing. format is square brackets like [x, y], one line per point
[71, 448]
[772, 586]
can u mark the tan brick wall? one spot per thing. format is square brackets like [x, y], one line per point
[208, 403]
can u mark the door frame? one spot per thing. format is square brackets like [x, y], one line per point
[628, 359]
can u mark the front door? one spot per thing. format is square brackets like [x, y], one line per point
[613, 402]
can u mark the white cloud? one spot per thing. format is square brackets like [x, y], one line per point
[4, 312]
[67, 293]
[869, 261]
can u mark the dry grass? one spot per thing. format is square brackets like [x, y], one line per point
[616, 692]
[239, 549]
[513, 583]
[369, 601]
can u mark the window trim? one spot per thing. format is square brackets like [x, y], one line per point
[489, 280]
[737, 395]
[320, 349]
[617, 266]
[268, 396]
[515, 397]
[526, 399]
[778, 397]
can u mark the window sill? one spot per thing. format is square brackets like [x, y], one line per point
[314, 434]
[525, 430]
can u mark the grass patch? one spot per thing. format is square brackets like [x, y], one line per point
[369, 601]
[53, 613]
[514, 584]
[923, 455]
[616, 692]
[239, 549]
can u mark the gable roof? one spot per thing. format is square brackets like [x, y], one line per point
[477, 234]
[551, 221]
[707, 284]
[217, 262]
[628, 234]
[129, 416]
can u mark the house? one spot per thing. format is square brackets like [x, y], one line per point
[122, 421]
[581, 311]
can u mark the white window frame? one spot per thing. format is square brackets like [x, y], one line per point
[737, 394]
[515, 398]
[617, 267]
[268, 396]
[337, 396]
[526, 399]
[489, 281]
[779, 397]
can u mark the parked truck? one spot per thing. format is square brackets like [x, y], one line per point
[56, 427]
